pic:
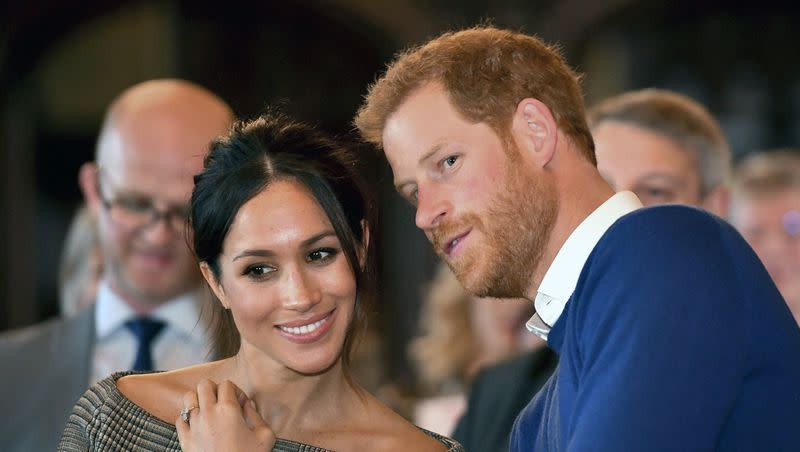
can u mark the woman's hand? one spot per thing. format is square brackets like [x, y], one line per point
[221, 418]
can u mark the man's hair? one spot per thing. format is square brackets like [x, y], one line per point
[679, 118]
[486, 73]
[767, 173]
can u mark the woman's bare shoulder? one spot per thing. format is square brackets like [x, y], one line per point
[393, 432]
[161, 393]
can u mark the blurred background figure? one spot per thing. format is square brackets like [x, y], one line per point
[461, 334]
[765, 208]
[149, 298]
[661, 145]
[81, 264]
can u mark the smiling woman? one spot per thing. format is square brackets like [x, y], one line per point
[241, 172]
[281, 227]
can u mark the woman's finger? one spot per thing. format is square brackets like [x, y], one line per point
[190, 406]
[190, 400]
[240, 396]
[206, 393]
[265, 437]
[183, 431]
[251, 416]
[226, 392]
[264, 434]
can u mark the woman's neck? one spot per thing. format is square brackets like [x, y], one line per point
[289, 401]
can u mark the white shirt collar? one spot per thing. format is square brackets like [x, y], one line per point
[181, 313]
[561, 278]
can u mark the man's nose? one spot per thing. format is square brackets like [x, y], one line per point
[159, 230]
[432, 208]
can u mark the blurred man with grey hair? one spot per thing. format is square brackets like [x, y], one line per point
[663, 146]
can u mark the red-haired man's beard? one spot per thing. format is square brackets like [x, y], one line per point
[506, 241]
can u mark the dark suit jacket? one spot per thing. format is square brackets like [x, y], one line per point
[497, 395]
[45, 371]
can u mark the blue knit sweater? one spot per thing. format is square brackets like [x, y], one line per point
[675, 339]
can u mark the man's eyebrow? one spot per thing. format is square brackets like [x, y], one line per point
[430, 153]
[433, 150]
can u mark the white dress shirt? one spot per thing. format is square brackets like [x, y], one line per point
[182, 342]
[561, 278]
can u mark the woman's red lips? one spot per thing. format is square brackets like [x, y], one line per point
[307, 331]
[306, 321]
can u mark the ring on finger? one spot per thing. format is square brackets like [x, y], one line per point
[186, 413]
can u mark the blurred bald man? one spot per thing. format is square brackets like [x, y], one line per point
[148, 305]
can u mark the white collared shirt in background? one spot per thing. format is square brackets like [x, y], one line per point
[561, 278]
[183, 341]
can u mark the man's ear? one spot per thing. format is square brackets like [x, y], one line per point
[535, 130]
[717, 201]
[87, 180]
[215, 285]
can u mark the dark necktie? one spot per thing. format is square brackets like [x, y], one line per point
[145, 329]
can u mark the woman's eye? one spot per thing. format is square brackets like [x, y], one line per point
[258, 271]
[321, 255]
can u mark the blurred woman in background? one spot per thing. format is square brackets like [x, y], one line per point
[460, 335]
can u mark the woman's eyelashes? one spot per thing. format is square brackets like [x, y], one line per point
[316, 257]
[322, 256]
[258, 271]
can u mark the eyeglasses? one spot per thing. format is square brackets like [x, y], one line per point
[139, 212]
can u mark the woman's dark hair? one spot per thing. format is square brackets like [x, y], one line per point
[252, 156]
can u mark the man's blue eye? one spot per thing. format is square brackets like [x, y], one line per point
[450, 161]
